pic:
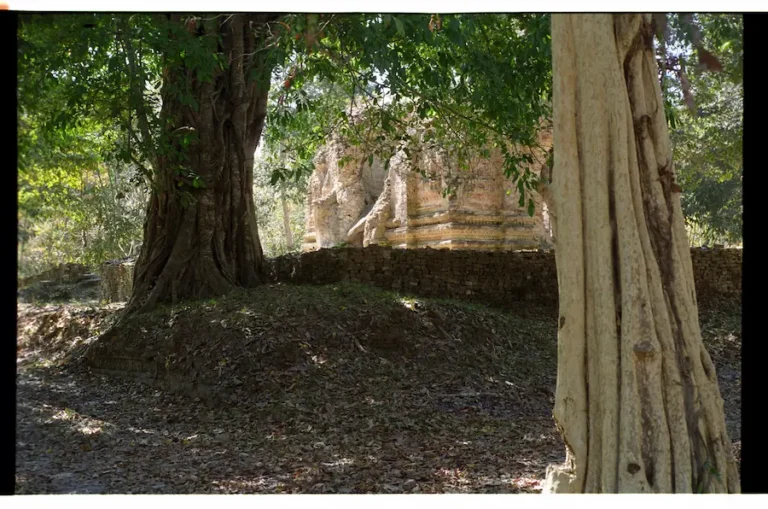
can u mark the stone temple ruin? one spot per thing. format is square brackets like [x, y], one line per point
[359, 204]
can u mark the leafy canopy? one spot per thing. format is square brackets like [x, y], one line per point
[90, 97]
[705, 116]
[478, 81]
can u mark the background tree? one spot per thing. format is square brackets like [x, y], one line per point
[637, 398]
[478, 81]
[201, 236]
[704, 112]
[279, 204]
[189, 96]
[77, 201]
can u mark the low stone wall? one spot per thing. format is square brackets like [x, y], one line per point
[717, 272]
[496, 278]
[62, 273]
[500, 278]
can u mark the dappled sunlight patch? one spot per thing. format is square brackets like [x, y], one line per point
[453, 478]
[66, 414]
[82, 424]
[257, 484]
[319, 360]
[142, 431]
[409, 302]
[338, 462]
[90, 429]
[191, 438]
[472, 477]
[530, 437]
[523, 483]
[32, 357]
[527, 483]
[468, 416]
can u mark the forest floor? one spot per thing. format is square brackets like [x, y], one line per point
[334, 389]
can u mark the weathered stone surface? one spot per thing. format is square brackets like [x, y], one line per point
[360, 204]
[501, 279]
[339, 193]
[117, 280]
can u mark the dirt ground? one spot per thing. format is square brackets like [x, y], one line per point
[337, 389]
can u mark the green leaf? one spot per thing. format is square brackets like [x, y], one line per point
[399, 25]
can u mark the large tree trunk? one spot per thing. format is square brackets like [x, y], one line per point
[200, 234]
[286, 222]
[637, 399]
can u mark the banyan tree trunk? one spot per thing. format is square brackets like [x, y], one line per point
[200, 234]
[637, 399]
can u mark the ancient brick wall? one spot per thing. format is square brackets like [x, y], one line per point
[716, 272]
[500, 278]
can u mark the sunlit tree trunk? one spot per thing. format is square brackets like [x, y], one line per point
[637, 399]
[286, 223]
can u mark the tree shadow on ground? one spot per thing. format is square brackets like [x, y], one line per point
[319, 391]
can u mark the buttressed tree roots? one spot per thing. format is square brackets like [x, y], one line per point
[211, 244]
[637, 399]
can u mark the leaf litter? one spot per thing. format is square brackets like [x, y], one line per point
[302, 389]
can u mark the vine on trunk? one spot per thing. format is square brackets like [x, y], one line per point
[200, 235]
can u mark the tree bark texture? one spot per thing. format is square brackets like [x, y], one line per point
[286, 223]
[637, 399]
[200, 235]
